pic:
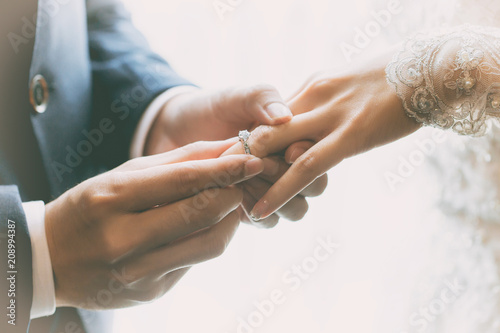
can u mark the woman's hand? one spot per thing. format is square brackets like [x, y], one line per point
[254, 189]
[343, 114]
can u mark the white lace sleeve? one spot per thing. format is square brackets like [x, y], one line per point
[450, 79]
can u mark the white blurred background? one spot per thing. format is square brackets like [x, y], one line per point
[367, 284]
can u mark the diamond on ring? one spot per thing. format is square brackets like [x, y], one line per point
[244, 136]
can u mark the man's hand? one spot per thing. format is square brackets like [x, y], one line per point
[133, 232]
[209, 116]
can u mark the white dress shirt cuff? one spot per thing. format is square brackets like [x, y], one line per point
[44, 296]
[149, 117]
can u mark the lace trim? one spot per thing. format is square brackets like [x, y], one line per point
[450, 79]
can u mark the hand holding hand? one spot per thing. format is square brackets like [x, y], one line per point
[254, 189]
[136, 230]
[203, 115]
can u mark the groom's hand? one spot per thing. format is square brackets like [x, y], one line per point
[135, 230]
[202, 115]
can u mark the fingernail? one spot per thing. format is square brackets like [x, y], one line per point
[253, 167]
[296, 153]
[259, 210]
[271, 167]
[255, 219]
[278, 111]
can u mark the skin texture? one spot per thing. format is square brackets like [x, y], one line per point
[219, 115]
[137, 229]
[342, 114]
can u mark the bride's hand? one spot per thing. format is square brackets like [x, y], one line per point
[254, 189]
[343, 114]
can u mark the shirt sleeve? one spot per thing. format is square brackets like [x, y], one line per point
[149, 117]
[44, 298]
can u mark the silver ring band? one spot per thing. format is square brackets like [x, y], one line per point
[244, 136]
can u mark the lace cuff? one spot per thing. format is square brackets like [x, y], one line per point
[450, 79]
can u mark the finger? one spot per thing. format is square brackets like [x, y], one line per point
[170, 279]
[195, 151]
[151, 288]
[268, 140]
[163, 225]
[248, 202]
[317, 187]
[303, 172]
[268, 223]
[294, 210]
[315, 92]
[303, 86]
[261, 104]
[292, 154]
[193, 249]
[275, 167]
[144, 189]
[297, 149]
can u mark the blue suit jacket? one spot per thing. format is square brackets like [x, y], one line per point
[101, 75]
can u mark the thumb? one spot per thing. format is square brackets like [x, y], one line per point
[260, 104]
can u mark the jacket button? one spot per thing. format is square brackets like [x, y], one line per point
[39, 93]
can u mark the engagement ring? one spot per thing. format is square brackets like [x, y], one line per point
[244, 136]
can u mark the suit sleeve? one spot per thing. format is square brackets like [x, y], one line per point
[16, 292]
[127, 75]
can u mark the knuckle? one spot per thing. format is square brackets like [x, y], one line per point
[260, 137]
[94, 202]
[320, 88]
[261, 90]
[307, 164]
[100, 196]
[116, 183]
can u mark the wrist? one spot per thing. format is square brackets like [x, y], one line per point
[168, 126]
